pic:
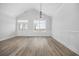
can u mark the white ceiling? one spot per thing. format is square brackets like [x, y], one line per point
[15, 9]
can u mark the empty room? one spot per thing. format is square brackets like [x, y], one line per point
[39, 29]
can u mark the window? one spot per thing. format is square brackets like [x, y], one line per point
[40, 24]
[23, 24]
[20, 26]
[22, 21]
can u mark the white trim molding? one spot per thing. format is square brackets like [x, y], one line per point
[71, 47]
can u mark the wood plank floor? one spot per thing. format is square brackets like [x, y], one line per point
[33, 46]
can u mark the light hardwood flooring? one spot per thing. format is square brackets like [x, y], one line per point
[33, 46]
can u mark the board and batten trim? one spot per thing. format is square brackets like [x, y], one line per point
[7, 37]
[68, 46]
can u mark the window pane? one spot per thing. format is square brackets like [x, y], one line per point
[22, 21]
[36, 24]
[25, 27]
[40, 24]
[20, 26]
[23, 24]
[43, 24]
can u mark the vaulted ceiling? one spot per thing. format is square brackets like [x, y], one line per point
[15, 9]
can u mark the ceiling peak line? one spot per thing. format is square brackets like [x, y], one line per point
[59, 9]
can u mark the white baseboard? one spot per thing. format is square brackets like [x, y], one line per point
[68, 46]
[7, 37]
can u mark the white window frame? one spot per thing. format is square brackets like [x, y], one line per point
[37, 25]
[22, 23]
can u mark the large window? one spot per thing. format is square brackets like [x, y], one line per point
[23, 24]
[39, 24]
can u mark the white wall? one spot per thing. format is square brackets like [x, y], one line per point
[7, 26]
[65, 26]
[31, 15]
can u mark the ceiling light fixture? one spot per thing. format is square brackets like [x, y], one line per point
[40, 10]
